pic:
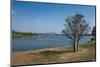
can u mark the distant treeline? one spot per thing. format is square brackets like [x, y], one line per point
[16, 34]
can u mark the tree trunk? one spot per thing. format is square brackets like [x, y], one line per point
[77, 45]
[74, 47]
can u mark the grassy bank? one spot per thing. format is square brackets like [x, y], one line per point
[56, 55]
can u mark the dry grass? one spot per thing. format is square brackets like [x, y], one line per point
[55, 55]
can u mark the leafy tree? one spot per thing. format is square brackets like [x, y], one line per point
[75, 27]
[94, 33]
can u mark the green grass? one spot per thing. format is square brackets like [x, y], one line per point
[88, 44]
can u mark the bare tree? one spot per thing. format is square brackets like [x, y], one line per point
[75, 27]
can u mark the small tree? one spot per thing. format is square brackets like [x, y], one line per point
[75, 27]
[94, 33]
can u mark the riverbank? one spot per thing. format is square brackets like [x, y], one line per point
[87, 52]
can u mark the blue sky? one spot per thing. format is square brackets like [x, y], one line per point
[44, 18]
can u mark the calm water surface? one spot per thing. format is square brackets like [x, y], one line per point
[42, 41]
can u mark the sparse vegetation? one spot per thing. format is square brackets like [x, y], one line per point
[56, 55]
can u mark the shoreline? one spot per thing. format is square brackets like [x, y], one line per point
[42, 49]
[49, 48]
[87, 52]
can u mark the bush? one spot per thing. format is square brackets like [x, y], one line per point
[92, 39]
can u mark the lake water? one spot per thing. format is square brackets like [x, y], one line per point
[43, 41]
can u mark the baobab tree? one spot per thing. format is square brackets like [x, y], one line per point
[75, 27]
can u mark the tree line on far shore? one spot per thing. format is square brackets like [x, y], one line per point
[16, 34]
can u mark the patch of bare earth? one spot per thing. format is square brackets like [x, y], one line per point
[23, 58]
